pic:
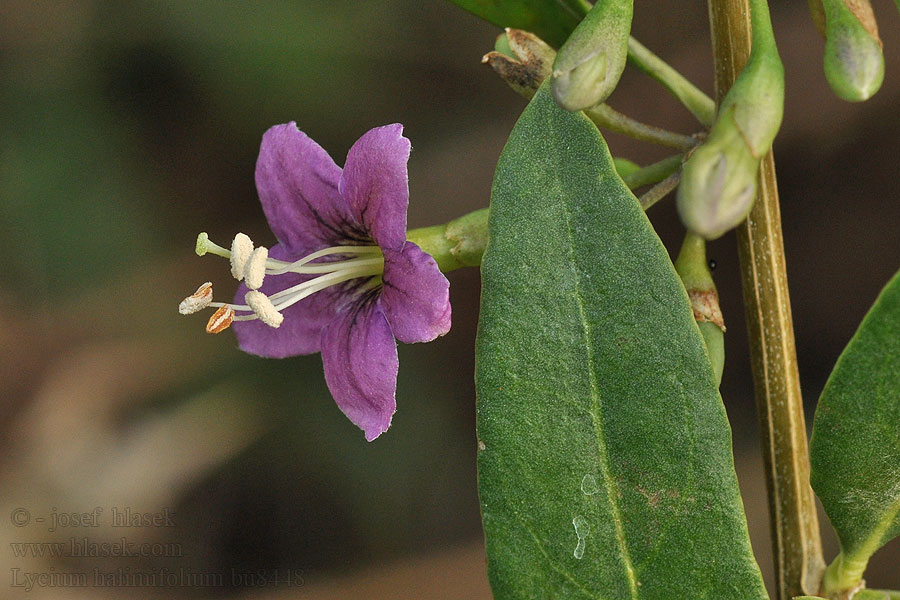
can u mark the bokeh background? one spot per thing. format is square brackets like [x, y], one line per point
[128, 127]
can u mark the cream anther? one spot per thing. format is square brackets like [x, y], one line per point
[255, 268]
[263, 308]
[241, 249]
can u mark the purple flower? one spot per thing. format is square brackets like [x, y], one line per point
[342, 279]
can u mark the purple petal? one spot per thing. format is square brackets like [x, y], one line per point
[360, 358]
[376, 185]
[301, 331]
[297, 184]
[415, 296]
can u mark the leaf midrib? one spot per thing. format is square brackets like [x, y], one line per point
[612, 491]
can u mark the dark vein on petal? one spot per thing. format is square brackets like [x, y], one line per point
[364, 302]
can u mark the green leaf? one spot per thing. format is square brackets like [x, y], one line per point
[604, 464]
[550, 20]
[855, 446]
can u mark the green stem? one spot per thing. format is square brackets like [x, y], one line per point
[699, 104]
[608, 118]
[795, 527]
[659, 191]
[843, 575]
[459, 243]
[763, 37]
[653, 173]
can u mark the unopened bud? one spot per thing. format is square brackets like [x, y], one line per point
[264, 308]
[241, 248]
[522, 60]
[718, 182]
[590, 63]
[198, 300]
[854, 61]
[221, 320]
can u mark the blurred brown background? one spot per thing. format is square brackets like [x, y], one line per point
[128, 127]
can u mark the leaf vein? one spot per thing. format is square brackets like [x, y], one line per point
[611, 486]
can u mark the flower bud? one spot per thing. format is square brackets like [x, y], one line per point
[531, 66]
[718, 181]
[590, 63]
[854, 62]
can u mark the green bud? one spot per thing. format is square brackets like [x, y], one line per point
[758, 92]
[590, 63]
[718, 181]
[527, 64]
[694, 271]
[854, 62]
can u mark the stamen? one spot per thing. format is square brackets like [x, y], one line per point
[263, 308]
[241, 248]
[304, 290]
[255, 268]
[197, 301]
[327, 280]
[253, 265]
[352, 250]
[221, 320]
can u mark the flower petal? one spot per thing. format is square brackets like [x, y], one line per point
[415, 296]
[297, 184]
[360, 359]
[376, 185]
[301, 330]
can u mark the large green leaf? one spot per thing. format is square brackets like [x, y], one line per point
[551, 20]
[605, 467]
[855, 447]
